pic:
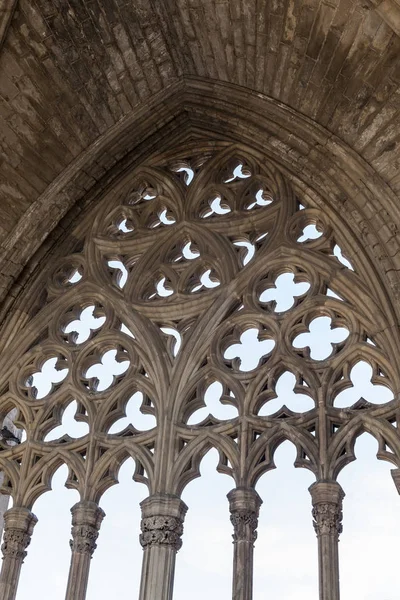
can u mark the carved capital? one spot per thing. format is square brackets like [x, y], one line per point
[15, 543]
[327, 498]
[245, 523]
[162, 522]
[327, 518]
[86, 521]
[244, 504]
[161, 531]
[84, 539]
[18, 529]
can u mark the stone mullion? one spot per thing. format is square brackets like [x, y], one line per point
[86, 522]
[164, 452]
[244, 505]
[327, 500]
[18, 528]
[161, 531]
[163, 514]
[322, 433]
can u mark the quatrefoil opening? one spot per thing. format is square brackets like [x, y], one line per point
[106, 370]
[88, 320]
[49, 376]
[251, 349]
[283, 293]
[321, 338]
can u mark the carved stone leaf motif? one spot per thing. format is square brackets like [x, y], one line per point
[245, 525]
[160, 530]
[15, 543]
[84, 539]
[327, 519]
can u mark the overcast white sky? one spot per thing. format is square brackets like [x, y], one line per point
[286, 549]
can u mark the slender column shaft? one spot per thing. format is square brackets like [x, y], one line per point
[18, 528]
[162, 528]
[86, 522]
[327, 498]
[244, 505]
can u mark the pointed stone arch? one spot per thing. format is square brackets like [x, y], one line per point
[212, 316]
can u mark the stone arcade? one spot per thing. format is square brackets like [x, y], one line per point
[161, 165]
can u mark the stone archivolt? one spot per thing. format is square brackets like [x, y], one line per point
[189, 243]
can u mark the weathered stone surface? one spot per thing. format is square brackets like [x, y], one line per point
[309, 91]
[69, 72]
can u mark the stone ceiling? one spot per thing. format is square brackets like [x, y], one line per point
[72, 71]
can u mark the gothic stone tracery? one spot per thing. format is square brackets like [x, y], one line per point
[172, 276]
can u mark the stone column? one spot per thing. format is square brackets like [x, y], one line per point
[18, 528]
[327, 497]
[244, 505]
[86, 522]
[162, 528]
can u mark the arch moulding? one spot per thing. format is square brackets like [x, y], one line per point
[187, 229]
[317, 162]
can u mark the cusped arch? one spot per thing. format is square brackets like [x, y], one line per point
[106, 469]
[187, 464]
[341, 448]
[38, 480]
[260, 458]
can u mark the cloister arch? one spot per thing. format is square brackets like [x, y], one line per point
[152, 253]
